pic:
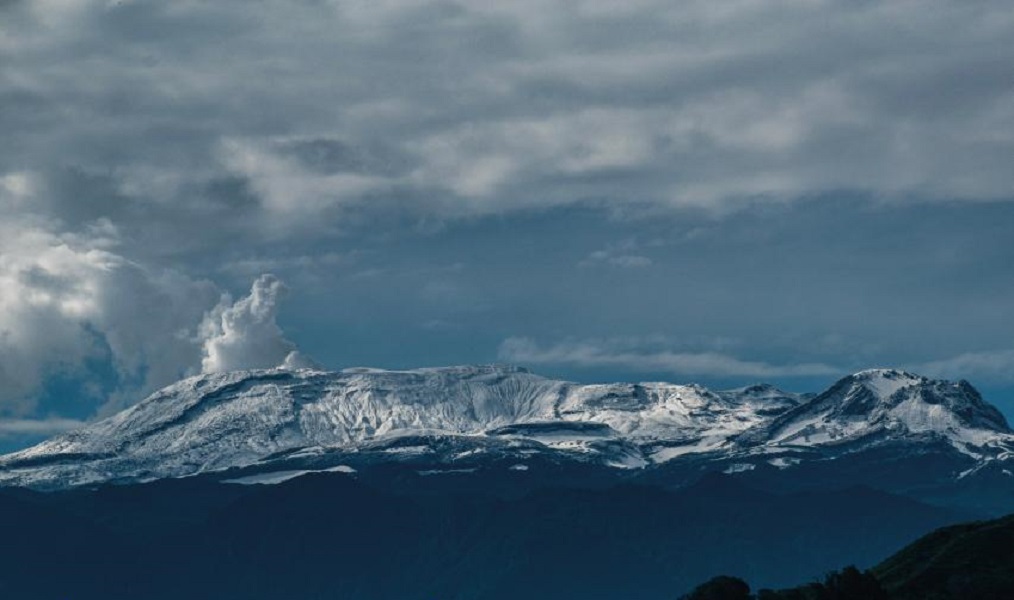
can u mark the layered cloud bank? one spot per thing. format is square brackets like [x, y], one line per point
[286, 114]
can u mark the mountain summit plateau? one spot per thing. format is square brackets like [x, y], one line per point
[253, 426]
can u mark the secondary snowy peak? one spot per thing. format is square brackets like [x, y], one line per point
[890, 403]
[764, 398]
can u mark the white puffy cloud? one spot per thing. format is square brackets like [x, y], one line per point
[289, 189]
[76, 310]
[70, 298]
[245, 335]
[69, 301]
[624, 255]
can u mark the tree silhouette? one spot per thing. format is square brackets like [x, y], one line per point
[851, 583]
[848, 584]
[721, 588]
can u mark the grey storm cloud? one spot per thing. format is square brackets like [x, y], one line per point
[290, 116]
[801, 175]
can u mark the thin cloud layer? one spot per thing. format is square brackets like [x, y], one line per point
[992, 366]
[49, 426]
[597, 354]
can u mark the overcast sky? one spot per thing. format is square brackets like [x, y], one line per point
[721, 192]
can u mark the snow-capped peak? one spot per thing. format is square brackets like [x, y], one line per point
[885, 382]
[879, 402]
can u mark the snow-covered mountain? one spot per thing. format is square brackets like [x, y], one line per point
[888, 403]
[265, 422]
